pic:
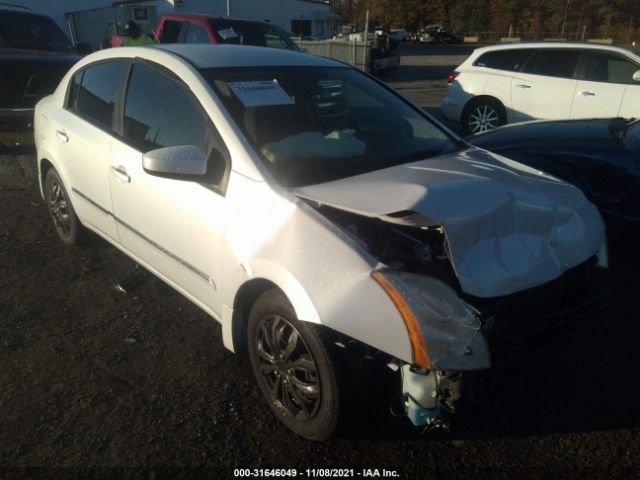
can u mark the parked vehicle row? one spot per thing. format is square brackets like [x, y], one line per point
[331, 227]
[543, 80]
[435, 34]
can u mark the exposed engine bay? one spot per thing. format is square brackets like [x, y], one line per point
[406, 241]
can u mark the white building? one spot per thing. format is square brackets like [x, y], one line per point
[57, 9]
[301, 17]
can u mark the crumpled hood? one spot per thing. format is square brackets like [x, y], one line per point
[509, 227]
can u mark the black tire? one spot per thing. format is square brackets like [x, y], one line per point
[308, 386]
[483, 114]
[65, 220]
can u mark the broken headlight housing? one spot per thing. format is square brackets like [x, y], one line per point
[444, 330]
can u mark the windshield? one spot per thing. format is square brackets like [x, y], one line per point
[250, 33]
[316, 124]
[33, 32]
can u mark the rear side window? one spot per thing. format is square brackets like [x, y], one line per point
[74, 88]
[96, 95]
[253, 33]
[608, 67]
[553, 63]
[511, 60]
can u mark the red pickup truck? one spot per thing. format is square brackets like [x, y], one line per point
[198, 28]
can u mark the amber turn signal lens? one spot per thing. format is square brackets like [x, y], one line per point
[418, 345]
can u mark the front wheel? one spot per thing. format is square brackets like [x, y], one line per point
[296, 367]
[482, 115]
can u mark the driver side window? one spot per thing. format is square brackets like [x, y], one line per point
[159, 111]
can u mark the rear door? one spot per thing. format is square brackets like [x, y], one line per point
[84, 136]
[603, 80]
[172, 226]
[545, 86]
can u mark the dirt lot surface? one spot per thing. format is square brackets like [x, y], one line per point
[94, 384]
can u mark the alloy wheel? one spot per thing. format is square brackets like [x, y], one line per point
[287, 368]
[483, 118]
[59, 208]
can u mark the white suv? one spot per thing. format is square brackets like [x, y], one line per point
[548, 80]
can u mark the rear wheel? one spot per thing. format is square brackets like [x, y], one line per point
[65, 220]
[297, 368]
[482, 115]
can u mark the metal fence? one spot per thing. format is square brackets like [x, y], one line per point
[356, 53]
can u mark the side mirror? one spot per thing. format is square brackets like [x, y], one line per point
[179, 161]
[83, 48]
[636, 76]
[186, 162]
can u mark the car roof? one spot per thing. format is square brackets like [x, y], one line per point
[215, 56]
[201, 16]
[225, 56]
[554, 44]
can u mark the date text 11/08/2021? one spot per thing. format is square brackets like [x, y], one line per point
[316, 472]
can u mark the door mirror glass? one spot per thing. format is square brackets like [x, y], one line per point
[177, 162]
[188, 162]
[636, 76]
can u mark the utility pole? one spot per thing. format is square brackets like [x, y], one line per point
[228, 8]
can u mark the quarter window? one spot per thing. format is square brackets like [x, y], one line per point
[74, 88]
[97, 94]
[553, 63]
[609, 67]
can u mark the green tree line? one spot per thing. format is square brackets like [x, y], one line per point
[619, 19]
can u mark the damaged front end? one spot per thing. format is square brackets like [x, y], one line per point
[453, 332]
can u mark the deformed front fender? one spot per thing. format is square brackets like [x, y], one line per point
[324, 274]
[289, 284]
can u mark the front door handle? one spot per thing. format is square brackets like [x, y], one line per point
[62, 136]
[587, 94]
[121, 174]
[523, 85]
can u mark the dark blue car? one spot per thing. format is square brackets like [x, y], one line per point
[601, 157]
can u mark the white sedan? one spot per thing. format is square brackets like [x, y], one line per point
[331, 227]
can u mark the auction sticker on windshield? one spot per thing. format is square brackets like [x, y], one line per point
[260, 93]
[228, 33]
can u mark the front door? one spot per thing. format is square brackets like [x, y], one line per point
[544, 88]
[601, 88]
[172, 226]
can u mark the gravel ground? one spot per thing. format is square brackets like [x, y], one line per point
[97, 384]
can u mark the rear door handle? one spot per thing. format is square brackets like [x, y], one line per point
[121, 174]
[62, 136]
[587, 94]
[523, 85]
